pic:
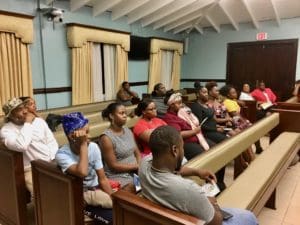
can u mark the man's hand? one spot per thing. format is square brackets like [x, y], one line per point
[207, 176]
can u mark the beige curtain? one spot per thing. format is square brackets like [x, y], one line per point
[15, 68]
[82, 85]
[154, 69]
[121, 66]
[175, 76]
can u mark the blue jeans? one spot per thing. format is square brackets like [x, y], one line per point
[240, 217]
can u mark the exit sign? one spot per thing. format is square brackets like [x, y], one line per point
[261, 36]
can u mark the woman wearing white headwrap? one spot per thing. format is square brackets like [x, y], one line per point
[192, 146]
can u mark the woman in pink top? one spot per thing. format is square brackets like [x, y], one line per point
[148, 122]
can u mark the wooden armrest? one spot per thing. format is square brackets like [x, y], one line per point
[130, 207]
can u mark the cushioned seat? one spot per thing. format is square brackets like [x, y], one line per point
[251, 185]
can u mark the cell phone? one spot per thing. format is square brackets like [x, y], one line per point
[226, 215]
[137, 183]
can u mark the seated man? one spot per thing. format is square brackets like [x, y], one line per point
[24, 132]
[83, 159]
[125, 95]
[162, 182]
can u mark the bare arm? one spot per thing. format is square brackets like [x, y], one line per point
[122, 95]
[190, 133]
[218, 218]
[103, 182]
[81, 168]
[110, 158]
[296, 89]
[203, 174]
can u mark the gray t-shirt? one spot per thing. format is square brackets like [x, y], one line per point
[174, 191]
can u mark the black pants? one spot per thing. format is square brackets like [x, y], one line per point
[192, 149]
[215, 136]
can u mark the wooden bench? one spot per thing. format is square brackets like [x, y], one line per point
[249, 110]
[85, 109]
[129, 209]
[289, 121]
[293, 99]
[58, 196]
[256, 186]
[94, 130]
[288, 105]
[13, 196]
[223, 153]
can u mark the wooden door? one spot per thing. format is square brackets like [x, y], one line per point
[274, 62]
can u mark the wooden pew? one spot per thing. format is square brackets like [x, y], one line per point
[94, 130]
[293, 99]
[287, 105]
[289, 121]
[12, 189]
[129, 209]
[249, 110]
[58, 196]
[256, 186]
[85, 109]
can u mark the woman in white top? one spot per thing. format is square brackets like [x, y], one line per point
[245, 93]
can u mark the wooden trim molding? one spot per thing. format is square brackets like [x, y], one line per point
[202, 80]
[19, 24]
[140, 83]
[38, 91]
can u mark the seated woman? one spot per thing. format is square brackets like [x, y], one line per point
[234, 109]
[30, 104]
[192, 146]
[119, 150]
[206, 114]
[158, 96]
[82, 158]
[245, 93]
[146, 124]
[220, 113]
[125, 95]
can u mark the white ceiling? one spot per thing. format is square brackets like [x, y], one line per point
[185, 15]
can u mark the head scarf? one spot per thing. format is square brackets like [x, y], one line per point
[10, 105]
[73, 121]
[174, 98]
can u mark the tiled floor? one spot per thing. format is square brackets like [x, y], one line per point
[288, 197]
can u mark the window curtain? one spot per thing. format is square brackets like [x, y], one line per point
[16, 33]
[97, 74]
[78, 36]
[155, 64]
[15, 68]
[82, 74]
[167, 68]
[110, 71]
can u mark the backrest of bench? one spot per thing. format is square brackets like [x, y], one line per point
[293, 99]
[84, 108]
[289, 121]
[58, 196]
[12, 188]
[286, 105]
[249, 111]
[255, 185]
[129, 209]
[223, 153]
[95, 130]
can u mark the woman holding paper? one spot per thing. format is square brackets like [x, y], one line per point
[205, 114]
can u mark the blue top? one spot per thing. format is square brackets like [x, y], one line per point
[66, 158]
